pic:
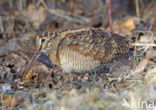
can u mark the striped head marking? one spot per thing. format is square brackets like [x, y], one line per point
[43, 39]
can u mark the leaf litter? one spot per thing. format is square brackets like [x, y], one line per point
[45, 87]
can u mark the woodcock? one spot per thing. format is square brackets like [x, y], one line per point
[82, 49]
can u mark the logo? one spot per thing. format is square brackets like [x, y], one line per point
[136, 104]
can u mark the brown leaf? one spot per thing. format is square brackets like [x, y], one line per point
[7, 99]
[29, 76]
[124, 27]
[20, 98]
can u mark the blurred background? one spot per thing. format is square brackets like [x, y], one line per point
[22, 20]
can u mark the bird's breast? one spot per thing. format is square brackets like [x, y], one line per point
[71, 61]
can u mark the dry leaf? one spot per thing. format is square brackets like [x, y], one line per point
[7, 99]
[20, 98]
[124, 27]
[29, 76]
[129, 24]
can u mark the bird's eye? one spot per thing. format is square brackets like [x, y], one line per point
[42, 40]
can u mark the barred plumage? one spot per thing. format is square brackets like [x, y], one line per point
[83, 49]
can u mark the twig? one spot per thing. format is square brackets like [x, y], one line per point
[104, 18]
[137, 8]
[110, 15]
[143, 44]
[1, 25]
[140, 67]
[20, 6]
[65, 15]
[62, 14]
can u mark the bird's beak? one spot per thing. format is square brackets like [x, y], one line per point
[34, 58]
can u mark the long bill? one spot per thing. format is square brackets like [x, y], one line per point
[34, 58]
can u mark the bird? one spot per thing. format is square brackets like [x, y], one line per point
[82, 49]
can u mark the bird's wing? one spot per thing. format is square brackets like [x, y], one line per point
[92, 43]
[124, 49]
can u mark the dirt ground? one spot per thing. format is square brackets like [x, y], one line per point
[123, 87]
